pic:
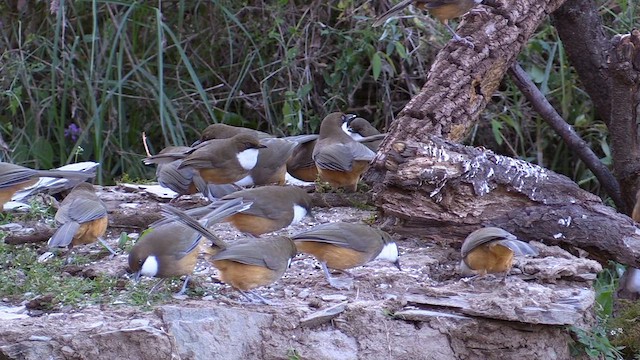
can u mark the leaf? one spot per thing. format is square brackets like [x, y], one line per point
[376, 64]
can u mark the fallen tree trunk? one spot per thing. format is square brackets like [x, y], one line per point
[443, 191]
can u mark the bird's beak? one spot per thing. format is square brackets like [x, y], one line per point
[136, 276]
[397, 264]
[262, 146]
[348, 117]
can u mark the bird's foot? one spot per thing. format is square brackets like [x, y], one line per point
[341, 284]
[467, 41]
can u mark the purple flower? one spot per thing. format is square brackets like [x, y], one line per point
[72, 131]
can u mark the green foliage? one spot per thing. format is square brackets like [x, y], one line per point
[84, 81]
[23, 277]
[596, 342]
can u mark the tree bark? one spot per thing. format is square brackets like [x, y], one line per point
[444, 191]
[462, 80]
[610, 73]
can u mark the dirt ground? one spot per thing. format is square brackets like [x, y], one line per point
[550, 289]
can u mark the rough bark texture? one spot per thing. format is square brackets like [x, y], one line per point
[609, 72]
[441, 190]
[462, 80]
[624, 85]
[580, 27]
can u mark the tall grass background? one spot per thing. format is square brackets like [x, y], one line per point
[82, 80]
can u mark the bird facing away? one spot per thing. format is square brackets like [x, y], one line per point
[246, 263]
[272, 208]
[169, 248]
[344, 246]
[491, 250]
[340, 159]
[83, 219]
[443, 10]
[359, 128]
[15, 177]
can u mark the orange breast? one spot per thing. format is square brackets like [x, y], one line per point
[335, 257]
[490, 258]
[254, 225]
[90, 231]
[222, 176]
[245, 277]
[269, 176]
[7, 193]
[169, 266]
[344, 179]
[309, 173]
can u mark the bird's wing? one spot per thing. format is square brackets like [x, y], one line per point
[340, 157]
[82, 210]
[334, 235]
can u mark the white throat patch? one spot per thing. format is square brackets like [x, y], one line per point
[150, 267]
[389, 252]
[345, 128]
[248, 158]
[299, 213]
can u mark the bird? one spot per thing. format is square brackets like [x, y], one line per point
[218, 161]
[359, 128]
[83, 218]
[15, 177]
[271, 167]
[343, 246]
[301, 165]
[340, 159]
[169, 248]
[224, 131]
[246, 263]
[491, 250]
[443, 10]
[272, 208]
[187, 181]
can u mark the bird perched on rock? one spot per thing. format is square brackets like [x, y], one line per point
[83, 219]
[246, 263]
[491, 250]
[340, 159]
[344, 246]
[15, 177]
[443, 10]
[169, 248]
[272, 208]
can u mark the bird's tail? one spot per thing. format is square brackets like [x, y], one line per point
[519, 248]
[82, 175]
[163, 158]
[222, 210]
[64, 235]
[389, 13]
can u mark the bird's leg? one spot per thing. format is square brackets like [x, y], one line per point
[257, 298]
[184, 286]
[156, 285]
[113, 253]
[344, 284]
[457, 37]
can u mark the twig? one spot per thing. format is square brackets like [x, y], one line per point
[566, 132]
[144, 142]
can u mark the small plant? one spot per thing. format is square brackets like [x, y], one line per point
[596, 342]
[293, 354]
